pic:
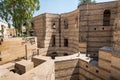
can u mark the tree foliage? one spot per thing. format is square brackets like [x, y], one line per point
[1, 31]
[17, 12]
[82, 2]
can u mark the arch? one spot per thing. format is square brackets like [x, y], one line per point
[106, 18]
[65, 54]
[76, 22]
[65, 24]
[53, 55]
[65, 42]
[53, 26]
[53, 41]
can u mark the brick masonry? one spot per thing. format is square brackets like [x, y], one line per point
[85, 33]
[85, 26]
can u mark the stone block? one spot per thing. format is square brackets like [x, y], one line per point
[23, 66]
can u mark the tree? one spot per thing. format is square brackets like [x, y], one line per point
[82, 2]
[94, 1]
[17, 12]
[28, 27]
[85, 1]
[1, 31]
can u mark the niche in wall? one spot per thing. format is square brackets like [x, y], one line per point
[53, 26]
[106, 18]
[65, 24]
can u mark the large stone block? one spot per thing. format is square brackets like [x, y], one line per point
[23, 66]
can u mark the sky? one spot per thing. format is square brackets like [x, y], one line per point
[59, 6]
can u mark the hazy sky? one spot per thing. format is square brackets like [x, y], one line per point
[59, 6]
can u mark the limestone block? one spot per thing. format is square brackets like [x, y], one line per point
[102, 55]
[23, 66]
[66, 72]
[65, 64]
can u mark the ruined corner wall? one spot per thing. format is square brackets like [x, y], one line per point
[77, 69]
[115, 59]
[116, 31]
[67, 70]
[109, 64]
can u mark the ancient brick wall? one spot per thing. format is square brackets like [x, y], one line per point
[52, 33]
[92, 29]
[71, 32]
[67, 70]
[39, 29]
[109, 62]
[14, 49]
[115, 59]
[54, 26]
[86, 25]
[78, 69]
[116, 31]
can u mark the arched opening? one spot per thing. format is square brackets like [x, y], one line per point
[65, 54]
[65, 42]
[53, 26]
[106, 18]
[53, 55]
[53, 41]
[76, 22]
[65, 24]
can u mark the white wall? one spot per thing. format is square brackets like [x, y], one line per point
[5, 28]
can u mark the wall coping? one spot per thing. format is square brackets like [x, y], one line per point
[73, 57]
